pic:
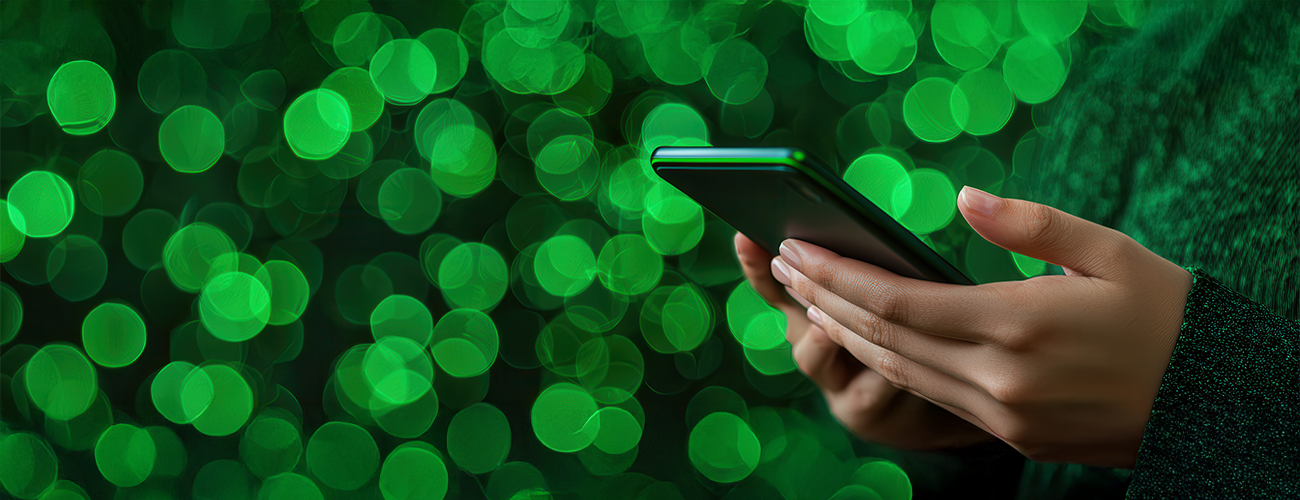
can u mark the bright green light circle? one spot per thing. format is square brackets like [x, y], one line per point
[963, 34]
[343, 456]
[318, 124]
[41, 204]
[265, 89]
[409, 201]
[413, 473]
[724, 448]
[449, 50]
[358, 36]
[882, 42]
[565, 265]
[125, 455]
[173, 387]
[982, 102]
[110, 183]
[669, 122]
[1029, 266]
[81, 97]
[473, 275]
[365, 103]
[568, 167]
[465, 343]
[744, 308]
[1054, 21]
[885, 478]
[619, 431]
[403, 316]
[11, 313]
[883, 181]
[191, 139]
[562, 418]
[687, 318]
[289, 486]
[1034, 70]
[765, 330]
[113, 335]
[270, 446]
[231, 401]
[290, 292]
[11, 239]
[404, 71]
[628, 265]
[837, 12]
[927, 110]
[934, 202]
[478, 438]
[736, 71]
[398, 370]
[464, 160]
[195, 254]
[61, 381]
[28, 466]
[234, 306]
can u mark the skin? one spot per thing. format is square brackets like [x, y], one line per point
[1063, 368]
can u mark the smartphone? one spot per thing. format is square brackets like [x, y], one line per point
[770, 194]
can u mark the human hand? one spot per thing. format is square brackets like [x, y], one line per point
[1063, 368]
[862, 400]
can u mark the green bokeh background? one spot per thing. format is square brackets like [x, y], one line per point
[400, 249]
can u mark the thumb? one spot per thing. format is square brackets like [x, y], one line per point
[1047, 234]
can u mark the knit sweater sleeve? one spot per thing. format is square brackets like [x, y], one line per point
[1226, 420]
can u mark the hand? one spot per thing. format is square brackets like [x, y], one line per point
[866, 403]
[1063, 368]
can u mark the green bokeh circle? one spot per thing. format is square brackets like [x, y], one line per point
[982, 102]
[230, 405]
[81, 97]
[473, 275]
[724, 448]
[234, 306]
[191, 139]
[318, 124]
[125, 455]
[883, 181]
[478, 438]
[28, 466]
[61, 381]
[465, 343]
[1034, 70]
[113, 335]
[882, 42]
[40, 204]
[413, 473]
[404, 71]
[927, 110]
[110, 183]
[404, 316]
[934, 202]
[562, 418]
[343, 456]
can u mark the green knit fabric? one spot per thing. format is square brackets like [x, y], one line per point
[1185, 135]
[1226, 422]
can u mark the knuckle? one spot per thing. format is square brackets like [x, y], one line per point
[1008, 390]
[1042, 221]
[892, 367]
[888, 303]
[872, 328]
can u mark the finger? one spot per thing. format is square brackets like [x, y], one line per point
[969, 313]
[825, 362]
[905, 373]
[1048, 234]
[756, 263]
[954, 358]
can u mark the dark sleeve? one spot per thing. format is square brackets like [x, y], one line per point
[1226, 420]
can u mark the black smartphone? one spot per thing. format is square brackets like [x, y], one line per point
[770, 194]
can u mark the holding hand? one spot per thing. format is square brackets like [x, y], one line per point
[862, 400]
[1063, 368]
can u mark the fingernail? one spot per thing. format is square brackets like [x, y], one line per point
[798, 297]
[815, 315]
[790, 253]
[780, 271]
[983, 203]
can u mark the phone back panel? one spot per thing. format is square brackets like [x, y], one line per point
[769, 203]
